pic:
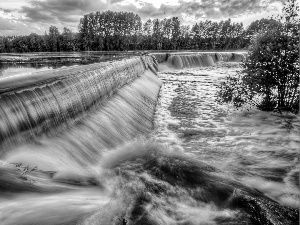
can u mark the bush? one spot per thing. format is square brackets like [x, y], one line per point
[269, 78]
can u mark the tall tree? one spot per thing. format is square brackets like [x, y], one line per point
[67, 40]
[53, 39]
[175, 30]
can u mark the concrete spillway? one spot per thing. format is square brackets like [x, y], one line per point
[181, 61]
[41, 103]
[50, 102]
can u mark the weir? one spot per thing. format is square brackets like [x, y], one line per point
[77, 146]
[188, 60]
[50, 102]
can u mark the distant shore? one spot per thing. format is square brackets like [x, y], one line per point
[73, 57]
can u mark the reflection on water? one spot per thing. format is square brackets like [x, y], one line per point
[21, 63]
[11, 70]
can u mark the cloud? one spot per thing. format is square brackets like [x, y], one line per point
[115, 1]
[43, 13]
[213, 9]
[9, 27]
[38, 15]
[6, 10]
[63, 11]
[6, 25]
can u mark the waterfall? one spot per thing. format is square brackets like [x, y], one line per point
[36, 104]
[127, 114]
[48, 102]
[187, 60]
[86, 145]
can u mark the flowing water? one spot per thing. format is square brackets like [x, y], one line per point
[12, 64]
[150, 149]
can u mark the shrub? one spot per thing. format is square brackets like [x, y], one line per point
[269, 78]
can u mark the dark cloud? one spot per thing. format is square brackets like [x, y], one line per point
[146, 10]
[68, 5]
[235, 7]
[63, 11]
[115, 1]
[38, 15]
[6, 10]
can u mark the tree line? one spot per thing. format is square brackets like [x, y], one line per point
[123, 31]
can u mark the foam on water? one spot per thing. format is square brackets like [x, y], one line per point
[196, 163]
[127, 114]
[259, 148]
[51, 107]
[62, 208]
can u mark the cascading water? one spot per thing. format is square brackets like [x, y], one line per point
[29, 112]
[86, 146]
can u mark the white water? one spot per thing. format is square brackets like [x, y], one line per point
[196, 163]
[258, 148]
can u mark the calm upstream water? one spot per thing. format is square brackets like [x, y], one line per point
[197, 162]
[23, 63]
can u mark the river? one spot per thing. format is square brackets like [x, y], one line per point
[159, 151]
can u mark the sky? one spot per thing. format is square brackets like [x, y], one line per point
[22, 17]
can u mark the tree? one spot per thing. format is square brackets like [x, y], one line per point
[157, 35]
[175, 30]
[259, 26]
[123, 31]
[147, 35]
[53, 39]
[270, 75]
[5, 44]
[67, 40]
[185, 37]
[35, 43]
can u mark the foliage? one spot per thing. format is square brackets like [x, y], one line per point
[123, 31]
[259, 26]
[109, 31]
[269, 78]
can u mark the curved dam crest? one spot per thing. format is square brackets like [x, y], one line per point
[61, 99]
[37, 103]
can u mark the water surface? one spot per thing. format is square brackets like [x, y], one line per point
[21, 63]
[196, 163]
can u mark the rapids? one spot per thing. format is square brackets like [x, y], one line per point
[143, 140]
